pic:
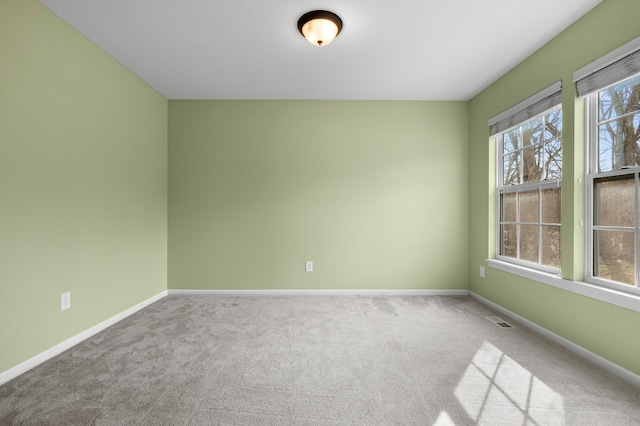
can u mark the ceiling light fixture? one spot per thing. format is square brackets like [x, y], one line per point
[320, 27]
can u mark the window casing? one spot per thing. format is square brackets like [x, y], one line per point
[528, 192]
[613, 186]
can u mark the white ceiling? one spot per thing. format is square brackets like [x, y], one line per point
[387, 50]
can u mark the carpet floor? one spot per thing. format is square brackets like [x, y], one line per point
[317, 360]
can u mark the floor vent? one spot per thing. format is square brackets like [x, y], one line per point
[499, 322]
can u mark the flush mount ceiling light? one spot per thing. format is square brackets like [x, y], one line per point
[320, 27]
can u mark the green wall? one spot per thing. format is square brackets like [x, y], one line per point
[83, 183]
[605, 329]
[375, 193]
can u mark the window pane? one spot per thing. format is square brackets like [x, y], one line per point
[509, 241]
[531, 161]
[529, 243]
[553, 159]
[551, 205]
[508, 202]
[614, 201]
[619, 143]
[551, 246]
[552, 166]
[511, 141]
[511, 171]
[614, 254]
[529, 206]
[532, 133]
[620, 99]
[605, 143]
[553, 125]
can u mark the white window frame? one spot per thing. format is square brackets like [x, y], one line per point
[592, 175]
[612, 68]
[522, 187]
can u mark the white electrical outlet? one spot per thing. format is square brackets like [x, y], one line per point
[482, 272]
[308, 266]
[65, 301]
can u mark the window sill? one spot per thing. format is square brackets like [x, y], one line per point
[603, 294]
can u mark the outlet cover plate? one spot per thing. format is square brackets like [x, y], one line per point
[65, 301]
[308, 266]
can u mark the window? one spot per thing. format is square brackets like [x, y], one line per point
[613, 185]
[611, 86]
[529, 173]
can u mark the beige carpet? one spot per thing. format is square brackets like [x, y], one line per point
[317, 360]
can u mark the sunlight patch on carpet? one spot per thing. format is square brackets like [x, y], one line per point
[444, 420]
[494, 387]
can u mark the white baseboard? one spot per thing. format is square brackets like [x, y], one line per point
[27, 365]
[326, 292]
[612, 367]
